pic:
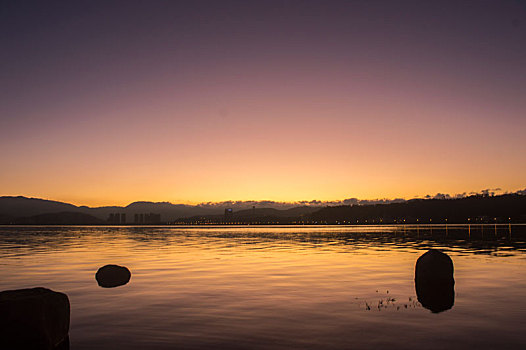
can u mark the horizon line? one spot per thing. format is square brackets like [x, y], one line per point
[312, 202]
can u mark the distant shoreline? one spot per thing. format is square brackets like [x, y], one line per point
[477, 209]
[408, 225]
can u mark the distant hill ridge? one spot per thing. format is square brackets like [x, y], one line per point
[62, 218]
[487, 208]
[19, 206]
[475, 209]
[481, 208]
[23, 206]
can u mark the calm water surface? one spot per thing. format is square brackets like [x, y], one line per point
[275, 287]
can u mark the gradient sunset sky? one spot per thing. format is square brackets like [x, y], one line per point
[108, 102]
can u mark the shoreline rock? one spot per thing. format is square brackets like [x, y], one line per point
[35, 318]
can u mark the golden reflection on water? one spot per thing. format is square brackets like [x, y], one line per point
[271, 287]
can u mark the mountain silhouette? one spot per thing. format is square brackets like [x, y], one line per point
[62, 218]
[266, 212]
[483, 208]
[15, 207]
[23, 206]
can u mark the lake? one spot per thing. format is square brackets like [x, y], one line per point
[291, 287]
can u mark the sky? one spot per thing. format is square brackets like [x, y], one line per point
[109, 102]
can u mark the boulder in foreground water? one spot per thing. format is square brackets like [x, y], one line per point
[110, 276]
[36, 318]
[434, 281]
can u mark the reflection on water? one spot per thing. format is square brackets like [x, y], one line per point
[274, 287]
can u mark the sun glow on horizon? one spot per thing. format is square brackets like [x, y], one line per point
[102, 201]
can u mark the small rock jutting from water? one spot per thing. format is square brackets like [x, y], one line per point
[434, 281]
[36, 318]
[111, 276]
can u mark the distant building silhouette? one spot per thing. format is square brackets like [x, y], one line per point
[117, 218]
[150, 218]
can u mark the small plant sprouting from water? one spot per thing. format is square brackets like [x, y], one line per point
[388, 302]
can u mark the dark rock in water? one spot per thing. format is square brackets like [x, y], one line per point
[36, 318]
[434, 282]
[110, 276]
